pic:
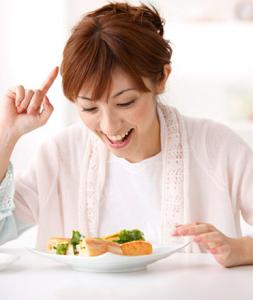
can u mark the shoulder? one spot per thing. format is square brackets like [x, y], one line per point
[217, 148]
[70, 140]
[72, 134]
[210, 134]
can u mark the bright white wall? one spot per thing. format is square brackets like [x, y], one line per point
[32, 37]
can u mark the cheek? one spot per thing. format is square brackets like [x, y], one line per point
[88, 121]
[143, 115]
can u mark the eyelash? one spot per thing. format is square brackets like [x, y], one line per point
[126, 104]
[120, 104]
[88, 109]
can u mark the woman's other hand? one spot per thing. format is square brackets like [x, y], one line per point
[23, 110]
[228, 252]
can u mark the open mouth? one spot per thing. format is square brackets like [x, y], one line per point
[120, 140]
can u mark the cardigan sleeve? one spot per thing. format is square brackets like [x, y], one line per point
[240, 177]
[20, 198]
[8, 228]
[6, 193]
[232, 160]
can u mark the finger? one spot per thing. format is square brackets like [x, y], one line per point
[46, 111]
[178, 225]
[36, 101]
[223, 249]
[184, 226]
[49, 81]
[26, 101]
[19, 93]
[213, 237]
[200, 229]
[190, 229]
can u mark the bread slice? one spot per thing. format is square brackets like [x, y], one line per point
[132, 248]
[135, 248]
[96, 246]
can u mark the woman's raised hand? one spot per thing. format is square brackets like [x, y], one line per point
[23, 110]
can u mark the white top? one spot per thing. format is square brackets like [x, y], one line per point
[132, 197]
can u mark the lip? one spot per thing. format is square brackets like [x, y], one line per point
[119, 145]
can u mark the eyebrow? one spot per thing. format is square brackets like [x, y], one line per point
[114, 96]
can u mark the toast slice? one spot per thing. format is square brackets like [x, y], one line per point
[135, 248]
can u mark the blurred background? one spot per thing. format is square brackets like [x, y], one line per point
[212, 60]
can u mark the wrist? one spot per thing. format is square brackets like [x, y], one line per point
[7, 139]
[246, 250]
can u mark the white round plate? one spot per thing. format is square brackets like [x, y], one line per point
[109, 262]
[6, 260]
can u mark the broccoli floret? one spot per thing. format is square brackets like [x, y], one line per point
[75, 240]
[129, 236]
[61, 249]
[76, 237]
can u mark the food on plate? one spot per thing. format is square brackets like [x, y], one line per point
[131, 242]
[59, 245]
[124, 242]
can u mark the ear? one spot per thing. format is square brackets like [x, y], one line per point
[160, 86]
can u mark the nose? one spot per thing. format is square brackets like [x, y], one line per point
[110, 122]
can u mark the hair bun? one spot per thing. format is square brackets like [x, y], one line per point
[151, 15]
[144, 15]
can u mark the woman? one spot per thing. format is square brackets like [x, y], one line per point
[137, 162]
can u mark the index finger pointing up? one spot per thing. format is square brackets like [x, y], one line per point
[49, 81]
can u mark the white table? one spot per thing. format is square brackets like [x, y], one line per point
[181, 276]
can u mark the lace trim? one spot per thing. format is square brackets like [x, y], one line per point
[173, 173]
[7, 191]
[92, 193]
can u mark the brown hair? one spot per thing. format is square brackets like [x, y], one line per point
[116, 35]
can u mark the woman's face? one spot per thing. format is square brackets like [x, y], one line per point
[127, 121]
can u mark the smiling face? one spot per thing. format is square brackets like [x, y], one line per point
[126, 121]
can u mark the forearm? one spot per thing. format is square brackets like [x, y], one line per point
[247, 250]
[7, 144]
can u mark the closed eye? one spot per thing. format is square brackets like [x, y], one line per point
[89, 109]
[127, 103]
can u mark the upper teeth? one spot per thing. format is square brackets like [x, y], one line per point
[116, 138]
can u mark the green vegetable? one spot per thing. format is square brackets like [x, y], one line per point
[129, 236]
[75, 240]
[61, 249]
